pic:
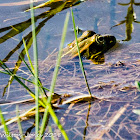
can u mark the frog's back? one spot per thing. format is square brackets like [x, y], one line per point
[71, 49]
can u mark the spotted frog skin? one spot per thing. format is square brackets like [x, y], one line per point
[92, 46]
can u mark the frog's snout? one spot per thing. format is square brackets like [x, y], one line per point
[111, 40]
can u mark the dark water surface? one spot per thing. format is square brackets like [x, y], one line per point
[111, 79]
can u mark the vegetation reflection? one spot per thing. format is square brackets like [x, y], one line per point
[55, 7]
[129, 19]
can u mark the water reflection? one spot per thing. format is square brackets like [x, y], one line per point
[129, 19]
[85, 129]
[13, 30]
[95, 25]
[112, 12]
[55, 7]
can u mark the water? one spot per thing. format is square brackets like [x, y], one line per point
[106, 80]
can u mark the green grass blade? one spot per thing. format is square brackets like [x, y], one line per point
[55, 119]
[50, 131]
[5, 126]
[14, 119]
[32, 72]
[13, 75]
[48, 107]
[28, 56]
[20, 82]
[19, 124]
[59, 56]
[35, 51]
[19, 77]
[4, 72]
[30, 69]
[137, 83]
[81, 63]
[6, 69]
[57, 122]
[29, 90]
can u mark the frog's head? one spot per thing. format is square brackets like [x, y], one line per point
[101, 44]
[105, 42]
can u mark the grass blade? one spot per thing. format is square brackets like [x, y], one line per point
[14, 119]
[81, 63]
[35, 51]
[59, 56]
[50, 131]
[48, 107]
[5, 126]
[19, 124]
[137, 83]
[32, 72]
[28, 56]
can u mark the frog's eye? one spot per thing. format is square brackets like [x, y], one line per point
[100, 38]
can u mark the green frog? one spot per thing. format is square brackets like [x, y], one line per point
[92, 46]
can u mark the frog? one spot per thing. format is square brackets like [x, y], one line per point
[92, 46]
